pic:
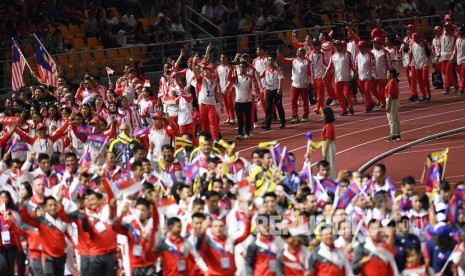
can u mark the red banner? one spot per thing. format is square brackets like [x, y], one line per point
[8, 120]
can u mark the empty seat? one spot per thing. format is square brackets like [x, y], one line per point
[74, 29]
[79, 44]
[64, 30]
[93, 43]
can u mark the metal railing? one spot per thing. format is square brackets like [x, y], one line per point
[151, 56]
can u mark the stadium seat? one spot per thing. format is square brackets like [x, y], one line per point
[74, 58]
[145, 22]
[64, 30]
[124, 53]
[29, 50]
[325, 19]
[243, 42]
[85, 57]
[152, 21]
[93, 43]
[99, 56]
[74, 29]
[79, 44]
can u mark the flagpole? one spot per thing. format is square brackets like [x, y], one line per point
[45, 50]
[445, 163]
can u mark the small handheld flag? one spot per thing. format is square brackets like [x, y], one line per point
[109, 71]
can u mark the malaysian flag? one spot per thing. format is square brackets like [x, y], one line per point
[46, 65]
[17, 67]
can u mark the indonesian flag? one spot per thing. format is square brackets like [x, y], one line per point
[244, 189]
[165, 207]
[8, 120]
[110, 71]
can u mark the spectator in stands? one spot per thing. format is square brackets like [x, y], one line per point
[163, 31]
[108, 39]
[219, 10]
[91, 28]
[207, 10]
[55, 43]
[111, 20]
[129, 20]
[177, 29]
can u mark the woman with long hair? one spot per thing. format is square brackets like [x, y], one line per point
[328, 135]
[100, 108]
[86, 112]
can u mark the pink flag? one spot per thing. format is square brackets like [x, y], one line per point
[110, 71]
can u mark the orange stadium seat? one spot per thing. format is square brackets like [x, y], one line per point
[74, 58]
[93, 43]
[78, 44]
[145, 22]
[99, 56]
[74, 29]
[64, 30]
[325, 19]
[244, 42]
[85, 57]
[152, 21]
[29, 50]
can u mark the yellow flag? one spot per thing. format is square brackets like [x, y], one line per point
[440, 156]
[183, 142]
[315, 145]
[227, 146]
[267, 145]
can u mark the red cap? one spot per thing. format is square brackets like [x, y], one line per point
[210, 67]
[377, 40]
[40, 125]
[361, 44]
[437, 28]
[157, 115]
[410, 27]
[94, 120]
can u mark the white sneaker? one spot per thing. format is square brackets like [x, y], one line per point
[240, 137]
[255, 125]
[334, 103]
[246, 136]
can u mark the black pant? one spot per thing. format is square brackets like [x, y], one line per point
[244, 109]
[101, 265]
[143, 271]
[37, 267]
[54, 266]
[9, 256]
[21, 262]
[272, 98]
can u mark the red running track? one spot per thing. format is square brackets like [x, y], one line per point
[361, 137]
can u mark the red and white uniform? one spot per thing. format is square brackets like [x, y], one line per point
[160, 137]
[420, 61]
[327, 261]
[222, 73]
[328, 49]
[382, 66]
[84, 95]
[410, 72]
[292, 262]
[393, 54]
[245, 86]
[318, 66]
[301, 78]
[342, 66]
[146, 109]
[130, 117]
[170, 102]
[459, 56]
[185, 121]
[448, 42]
[163, 84]
[365, 67]
[43, 145]
[307, 46]
[436, 51]
[206, 89]
[260, 64]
